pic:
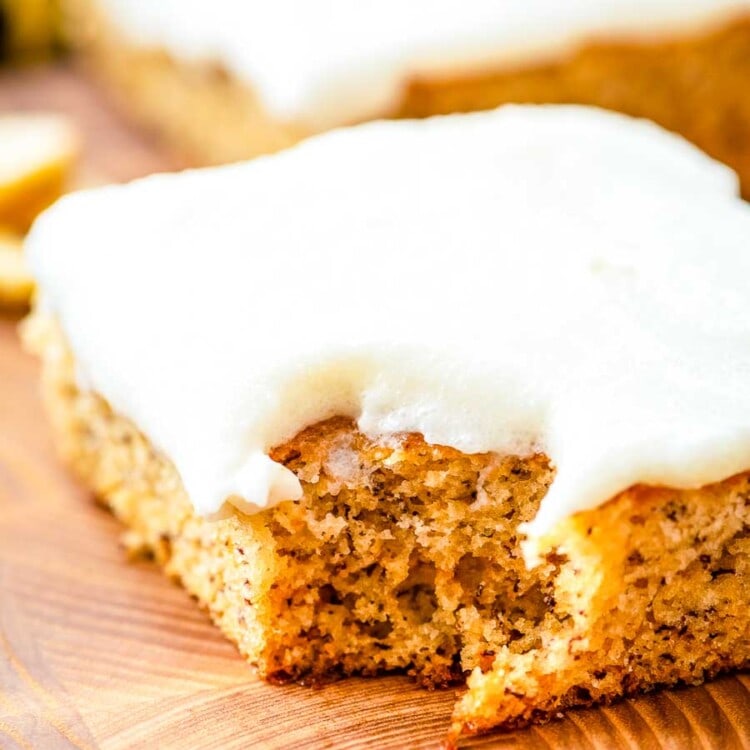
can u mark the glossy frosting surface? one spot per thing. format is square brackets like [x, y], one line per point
[554, 279]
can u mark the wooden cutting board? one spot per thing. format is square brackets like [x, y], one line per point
[99, 652]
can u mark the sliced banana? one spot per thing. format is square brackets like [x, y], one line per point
[37, 152]
[16, 283]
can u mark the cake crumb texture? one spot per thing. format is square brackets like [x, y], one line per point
[406, 556]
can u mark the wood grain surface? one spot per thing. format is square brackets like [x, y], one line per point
[98, 652]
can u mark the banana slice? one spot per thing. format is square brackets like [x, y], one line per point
[37, 152]
[16, 283]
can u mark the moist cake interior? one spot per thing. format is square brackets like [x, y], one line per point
[407, 556]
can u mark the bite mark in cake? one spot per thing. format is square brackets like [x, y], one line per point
[444, 336]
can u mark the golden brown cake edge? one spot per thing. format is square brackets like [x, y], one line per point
[649, 590]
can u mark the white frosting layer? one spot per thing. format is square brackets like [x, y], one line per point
[328, 62]
[535, 278]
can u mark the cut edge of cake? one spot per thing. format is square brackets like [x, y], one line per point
[407, 556]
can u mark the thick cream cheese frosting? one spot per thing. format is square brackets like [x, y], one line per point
[328, 62]
[554, 279]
